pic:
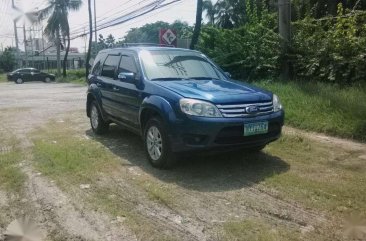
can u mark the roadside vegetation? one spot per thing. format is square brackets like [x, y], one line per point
[321, 107]
[3, 78]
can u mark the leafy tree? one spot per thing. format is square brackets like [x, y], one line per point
[110, 40]
[7, 59]
[58, 24]
[149, 33]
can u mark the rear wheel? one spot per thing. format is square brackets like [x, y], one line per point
[47, 80]
[19, 81]
[99, 126]
[157, 144]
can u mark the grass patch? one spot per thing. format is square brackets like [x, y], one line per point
[61, 155]
[11, 178]
[323, 107]
[254, 230]
[323, 177]
[3, 78]
[76, 76]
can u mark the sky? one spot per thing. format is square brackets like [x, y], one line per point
[184, 10]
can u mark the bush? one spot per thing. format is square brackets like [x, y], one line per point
[330, 50]
[7, 60]
[250, 51]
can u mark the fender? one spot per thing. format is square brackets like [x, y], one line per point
[94, 91]
[161, 106]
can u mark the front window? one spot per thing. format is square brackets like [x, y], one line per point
[177, 64]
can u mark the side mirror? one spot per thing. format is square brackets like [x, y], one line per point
[228, 74]
[126, 76]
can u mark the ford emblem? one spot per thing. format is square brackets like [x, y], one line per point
[252, 109]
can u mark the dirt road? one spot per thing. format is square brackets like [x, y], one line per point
[194, 201]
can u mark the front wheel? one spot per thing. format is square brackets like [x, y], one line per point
[19, 81]
[157, 144]
[99, 126]
[47, 80]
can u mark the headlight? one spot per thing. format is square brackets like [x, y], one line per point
[198, 108]
[277, 106]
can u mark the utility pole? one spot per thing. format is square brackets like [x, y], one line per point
[25, 46]
[16, 36]
[31, 42]
[43, 51]
[95, 21]
[284, 12]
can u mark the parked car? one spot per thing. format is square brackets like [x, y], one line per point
[20, 76]
[178, 100]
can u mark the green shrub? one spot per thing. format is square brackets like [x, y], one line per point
[330, 50]
[250, 51]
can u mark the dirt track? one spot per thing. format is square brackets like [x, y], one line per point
[212, 191]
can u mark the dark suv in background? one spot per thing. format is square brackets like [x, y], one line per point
[178, 100]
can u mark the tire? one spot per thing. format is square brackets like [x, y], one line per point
[19, 81]
[47, 80]
[157, 146]
[98, 125]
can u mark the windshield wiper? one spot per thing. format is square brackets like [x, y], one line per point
[204, 78]
[167, 78]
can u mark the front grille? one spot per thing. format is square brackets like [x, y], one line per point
[240, 110]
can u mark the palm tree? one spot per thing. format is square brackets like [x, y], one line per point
[225, 13]
[197, 27]
[210, 11]
[58, 24]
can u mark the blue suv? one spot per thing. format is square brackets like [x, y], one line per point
[178, 100]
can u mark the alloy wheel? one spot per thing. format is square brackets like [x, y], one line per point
[154, 143]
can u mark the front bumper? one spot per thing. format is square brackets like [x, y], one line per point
[222, 134]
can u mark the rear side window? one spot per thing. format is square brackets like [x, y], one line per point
[97, 68]
[110, 66]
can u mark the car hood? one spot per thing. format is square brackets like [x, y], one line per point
[217, 91]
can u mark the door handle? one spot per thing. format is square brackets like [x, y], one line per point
[115, 88]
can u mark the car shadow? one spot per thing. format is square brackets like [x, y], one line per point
[207, 173]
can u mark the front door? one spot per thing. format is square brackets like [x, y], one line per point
[127, 91]
[105, 82]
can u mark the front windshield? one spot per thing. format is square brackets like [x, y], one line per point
[177, 64]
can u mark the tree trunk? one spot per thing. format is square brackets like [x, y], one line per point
[90, 40]
[58, 53]
[67, 50]
[197, 27]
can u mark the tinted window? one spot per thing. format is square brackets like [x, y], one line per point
[110, 65]
[127, 65]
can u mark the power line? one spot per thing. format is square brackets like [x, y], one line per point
[102, 19]
[136, 13]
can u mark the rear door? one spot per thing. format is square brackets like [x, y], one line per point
[126, 90]
[105, 83]
[35, 75]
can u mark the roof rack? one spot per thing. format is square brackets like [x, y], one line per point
[126, 45]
